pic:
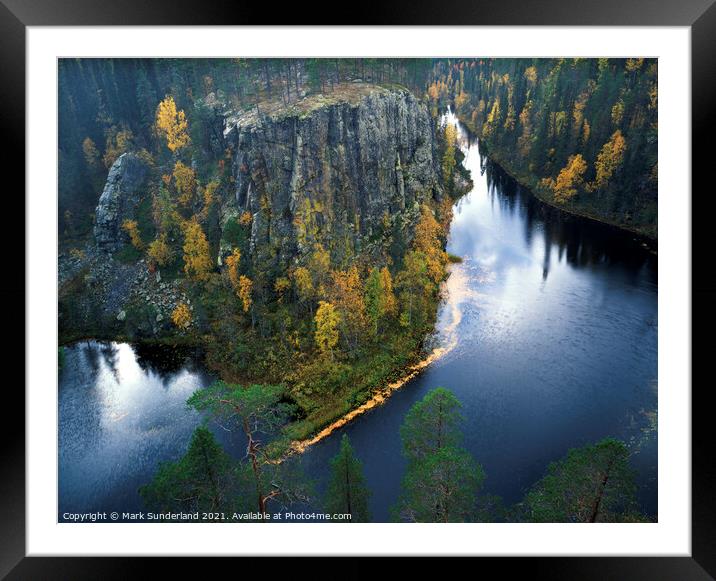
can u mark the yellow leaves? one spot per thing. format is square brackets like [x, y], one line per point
[159, 251]
[524, 143]
[118, 142]
[197, 262]
[90, 151]
[172, 124]
[181, 316]
[245, 287]
[618, 112]
[433, 91]
[326, 334]
[569, 179]
[246, 218]
[281, 285]
[303, 282]
[132, 230]
[390, 305]
[346, 294]
[241, 284]
[609, 159]
[427, 241]
[232, 267]
[461, 100]
[493, 118]
[633, 65]
[531, 75]
[449, 155]
[209, 193]
[185, 183]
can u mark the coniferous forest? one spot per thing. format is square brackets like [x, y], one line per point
[255, 254]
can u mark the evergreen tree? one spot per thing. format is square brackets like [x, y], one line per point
[442, 480]
[591, 484]
[431, 424]
[442, 487]
[347, 491]
[201, 480]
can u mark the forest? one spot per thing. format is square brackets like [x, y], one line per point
[580, 133]
[289, 218]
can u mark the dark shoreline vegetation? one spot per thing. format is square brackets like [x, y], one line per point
[442, 482]
[287, 219]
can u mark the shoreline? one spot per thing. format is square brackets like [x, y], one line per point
[376, 400]
[646, 240]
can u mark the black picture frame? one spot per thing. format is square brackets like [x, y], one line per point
[699, 15]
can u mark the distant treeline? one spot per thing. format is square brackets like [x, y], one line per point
[581, 133]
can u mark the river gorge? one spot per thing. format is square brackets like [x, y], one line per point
[547, 334]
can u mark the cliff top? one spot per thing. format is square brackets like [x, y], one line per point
[351, 93]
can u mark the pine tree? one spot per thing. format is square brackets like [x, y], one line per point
[347, 491]
[591, 484]
[442, 479]
[201, 480]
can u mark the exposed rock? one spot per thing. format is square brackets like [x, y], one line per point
[332, 173]
[121, 315]
[120, 197]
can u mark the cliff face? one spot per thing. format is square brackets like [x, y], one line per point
[348, 171]
[119, 200]
[341, 173]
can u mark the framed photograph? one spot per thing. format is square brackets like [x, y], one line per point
[417, 289]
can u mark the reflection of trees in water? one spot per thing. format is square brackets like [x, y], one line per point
[163, 360]
[583, 242]
[91, 353]
[110, 356]
[101, 351]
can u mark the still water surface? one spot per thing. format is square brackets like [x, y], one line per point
[551, 322]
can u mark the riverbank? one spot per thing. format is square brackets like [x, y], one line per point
[647, 238]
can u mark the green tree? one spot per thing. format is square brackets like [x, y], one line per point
[201, 480]
[442, 479]
[326, 335]
[591, 484]
[431, 424]
[448, 161]
[347, 491]
[380, 301]
[257, 409]
[442, 487]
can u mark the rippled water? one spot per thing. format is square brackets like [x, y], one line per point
[552, 322]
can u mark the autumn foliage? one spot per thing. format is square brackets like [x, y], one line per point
[181, 316]
[172, 124]
[132, 230]
[197, 262]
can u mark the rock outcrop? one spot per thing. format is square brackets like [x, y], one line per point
[342, 171]
[120, 197]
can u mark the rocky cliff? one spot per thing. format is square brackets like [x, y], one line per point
[119, 200]
[348, 171]
[341, 172]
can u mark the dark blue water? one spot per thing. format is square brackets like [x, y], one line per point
[554, 321]
[551, 326]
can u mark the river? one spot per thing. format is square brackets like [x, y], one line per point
[550, 330]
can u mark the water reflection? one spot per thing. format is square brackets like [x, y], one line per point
[122, 410]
